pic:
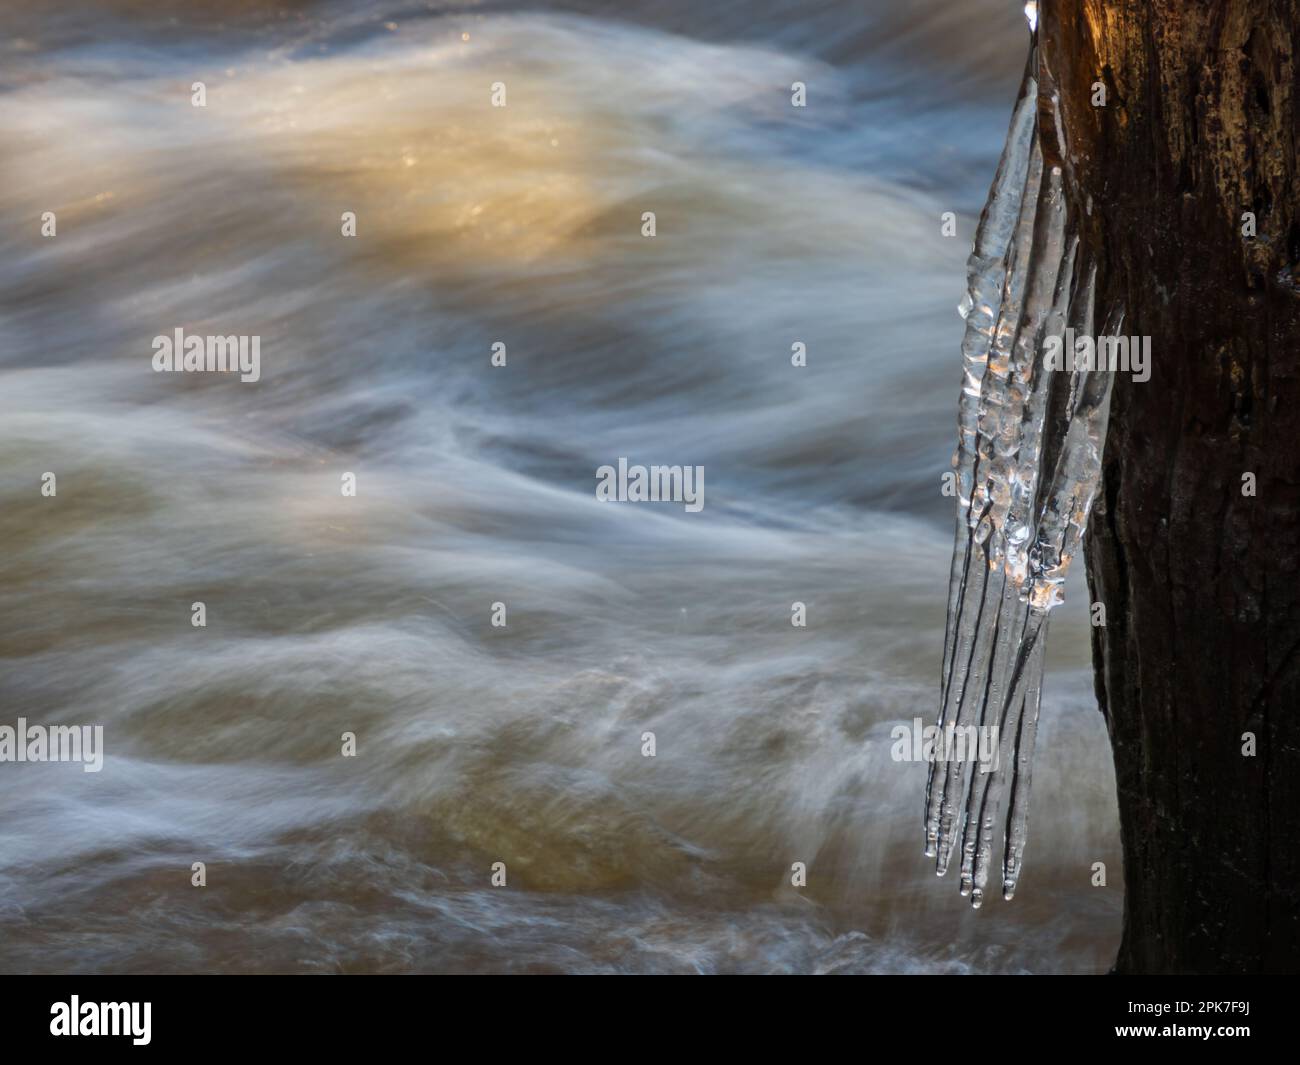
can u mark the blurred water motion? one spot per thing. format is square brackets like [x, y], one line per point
[371, 615]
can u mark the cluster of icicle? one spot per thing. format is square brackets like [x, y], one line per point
[1028, 463]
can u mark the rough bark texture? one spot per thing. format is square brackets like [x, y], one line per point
[1200, 583]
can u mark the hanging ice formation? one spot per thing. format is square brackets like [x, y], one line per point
[1027, 464]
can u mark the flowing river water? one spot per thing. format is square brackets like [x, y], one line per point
[327, 614]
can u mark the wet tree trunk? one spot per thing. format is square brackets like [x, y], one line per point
[1199, 578]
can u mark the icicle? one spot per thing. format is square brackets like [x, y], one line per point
[982, 586]
[1074, 482]
[1017, 529]
[1045, 309]
[1022, 765]
[992, 277]
[985, 273]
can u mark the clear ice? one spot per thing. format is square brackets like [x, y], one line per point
[1028, 463]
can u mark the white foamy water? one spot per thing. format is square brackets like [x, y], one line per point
[476, 485]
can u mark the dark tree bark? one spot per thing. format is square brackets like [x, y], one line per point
[1200, 583]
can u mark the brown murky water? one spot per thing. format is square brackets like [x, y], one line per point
[372, 615]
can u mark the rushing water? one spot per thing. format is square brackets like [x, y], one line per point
[371, 615]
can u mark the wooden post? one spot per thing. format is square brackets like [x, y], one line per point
[1195, 543]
